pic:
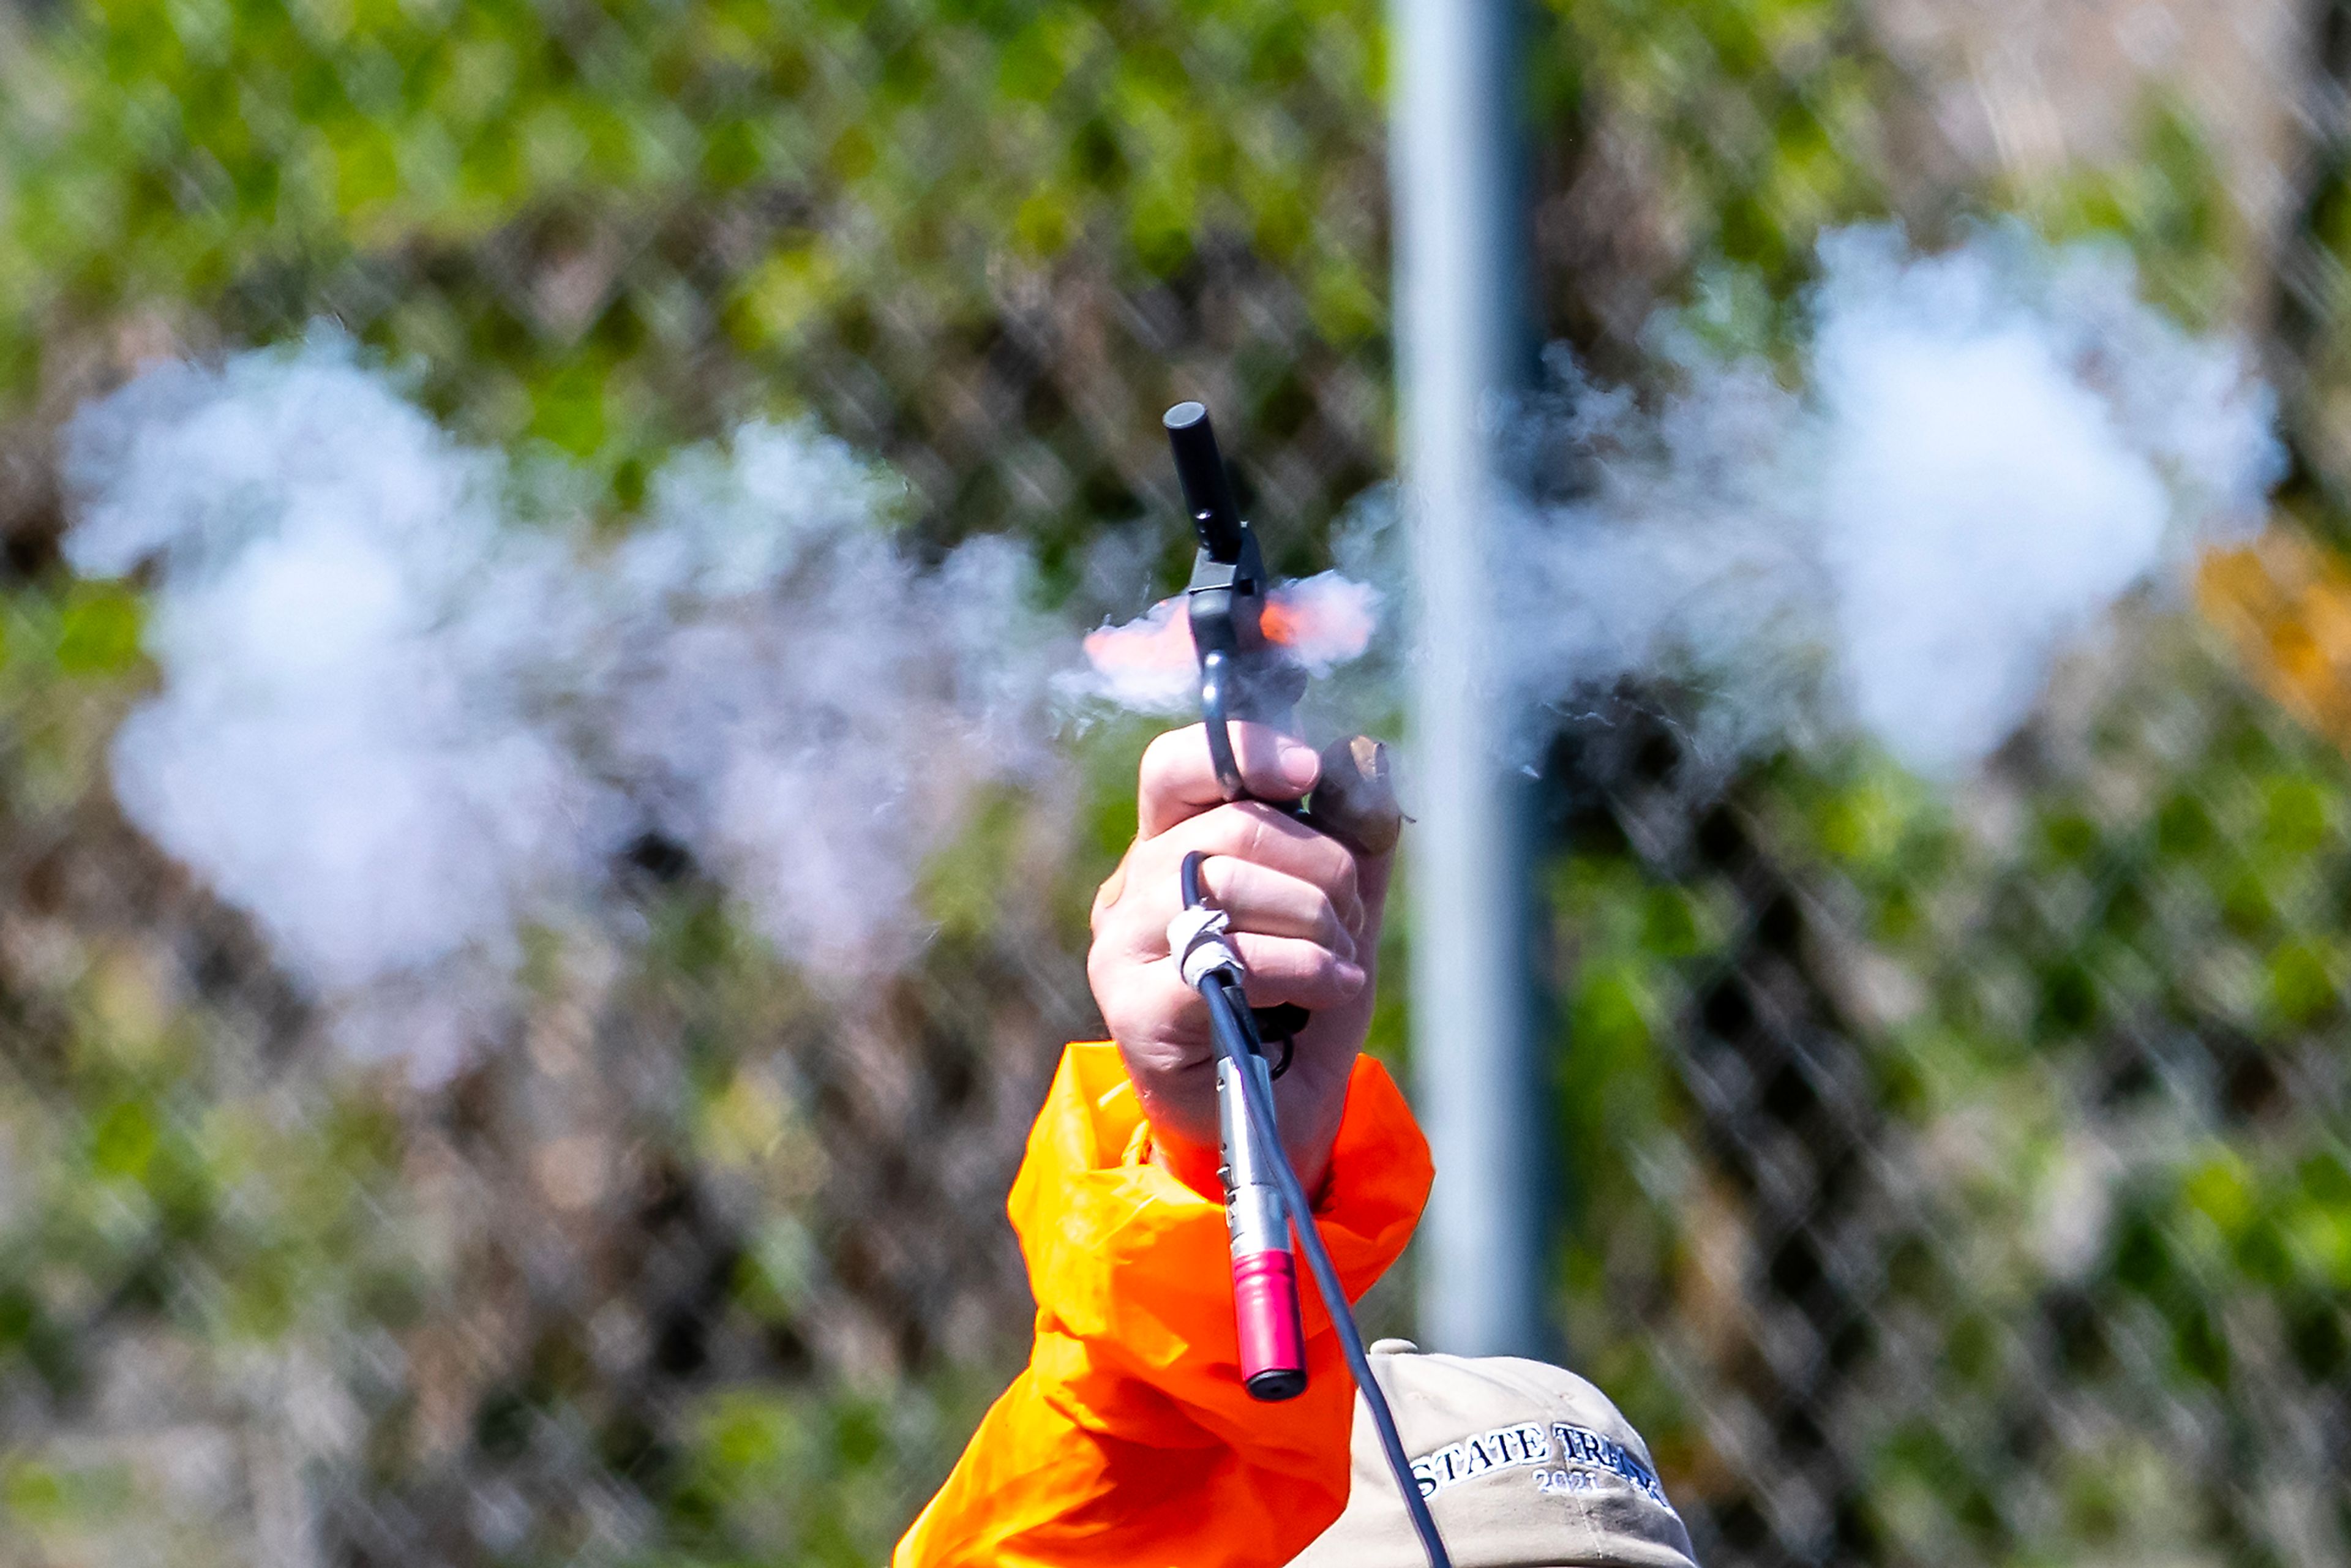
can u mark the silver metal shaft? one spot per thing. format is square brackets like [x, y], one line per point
[1461, 239]
[1255, 1218]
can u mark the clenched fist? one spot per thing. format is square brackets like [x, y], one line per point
[1305, 920]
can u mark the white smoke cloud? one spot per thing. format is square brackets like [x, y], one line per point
[1983, 451]
[396, 724]
[400, 722]
[1149, 664]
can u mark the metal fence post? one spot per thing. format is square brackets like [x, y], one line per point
[1463, 334]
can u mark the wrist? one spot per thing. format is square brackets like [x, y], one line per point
[1308, 1132]
[1193, 1164]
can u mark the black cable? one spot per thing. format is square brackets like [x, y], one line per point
[1188, 874]
[1289, 1043]
[1236, 1037]
[1194, 898]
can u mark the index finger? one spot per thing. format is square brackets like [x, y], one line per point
[1178, 781]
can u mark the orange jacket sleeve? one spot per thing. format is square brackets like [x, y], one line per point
[1129, 1440]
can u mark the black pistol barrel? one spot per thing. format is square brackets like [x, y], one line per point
[1207, 490]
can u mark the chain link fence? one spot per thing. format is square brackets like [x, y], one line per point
[1984, 1155]
[1952, 1176]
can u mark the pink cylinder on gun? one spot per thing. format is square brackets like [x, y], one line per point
[1265, 1274]
[1265, 1312]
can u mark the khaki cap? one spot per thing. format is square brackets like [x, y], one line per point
[1524, 1465]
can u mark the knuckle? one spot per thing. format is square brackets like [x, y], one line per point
[1345, 877]
[1107, 898]
[1159, 757]
[1301, 961]
[1327, 918]
[1152, 861]
[1146, 868]
[1219, 831]
[1224, 878]
[1259, 838]
[1126, 933]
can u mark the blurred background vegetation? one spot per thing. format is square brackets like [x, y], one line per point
[1954, 1177]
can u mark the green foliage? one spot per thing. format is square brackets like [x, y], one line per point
[1763, 115]
[2082, 1036]
[69, 655]
[164, 1194]
[771, 1477]
[2169, 204]
[612, 228]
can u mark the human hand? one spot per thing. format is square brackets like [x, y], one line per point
[1306, 913]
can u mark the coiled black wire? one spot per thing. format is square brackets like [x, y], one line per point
[1236, 1036]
